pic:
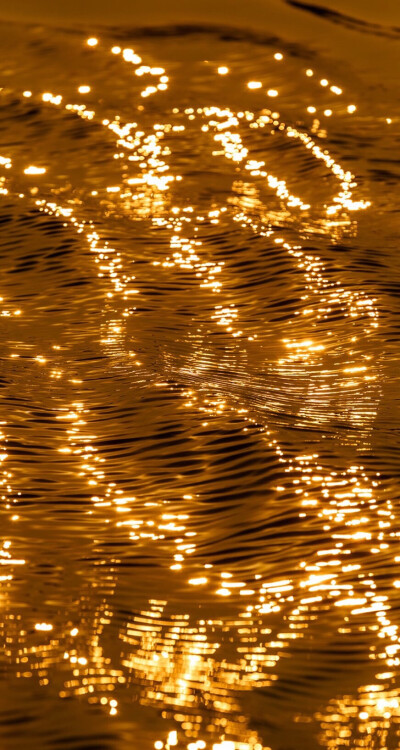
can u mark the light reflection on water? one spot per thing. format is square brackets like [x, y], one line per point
[199, 539]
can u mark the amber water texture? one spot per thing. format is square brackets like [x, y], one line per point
[200, 445]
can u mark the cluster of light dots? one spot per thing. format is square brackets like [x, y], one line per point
[345, 502]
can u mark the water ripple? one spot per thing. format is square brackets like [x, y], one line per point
[199, 352]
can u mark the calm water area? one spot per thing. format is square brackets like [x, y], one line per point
[199, 404]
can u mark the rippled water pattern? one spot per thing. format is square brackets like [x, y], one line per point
[200, 436]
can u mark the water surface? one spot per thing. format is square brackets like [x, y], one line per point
[199, 346]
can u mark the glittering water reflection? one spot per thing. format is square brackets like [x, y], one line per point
[192, 391]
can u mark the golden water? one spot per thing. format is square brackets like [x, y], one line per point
[199, 347]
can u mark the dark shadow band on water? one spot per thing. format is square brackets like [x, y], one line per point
[349, 22]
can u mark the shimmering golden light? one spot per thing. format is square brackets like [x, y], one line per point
[187, 655]
[34, 170]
